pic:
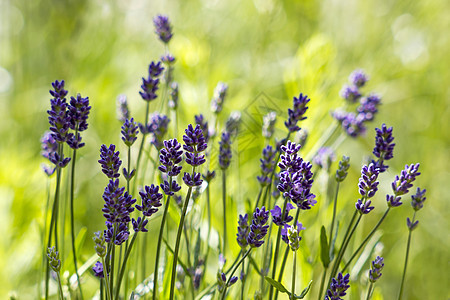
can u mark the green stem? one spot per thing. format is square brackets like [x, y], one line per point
[322, 282]
[208, 207]
[367, 238]
[105, 275]
[293, 276]
[141, 148]
[334, 214]
[177, 244]
[61, 294]
[158, 247]
[408, 245]
[369, 291]
[224, 292]
[72, 219]
[243, 281]
[224, 205]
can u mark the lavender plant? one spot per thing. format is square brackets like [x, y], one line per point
[285, 170]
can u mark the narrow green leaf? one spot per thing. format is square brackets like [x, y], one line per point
[324, 248]
[305, 291]
[277, 285]
[255, 265]
[185, 269]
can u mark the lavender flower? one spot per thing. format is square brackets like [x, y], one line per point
[342, 171]
[98, 270]
[364, 207]
[324, 157]
[368, 184]
[267, 165]
[123, 113]
[58, 118]
[209, 176]
[54, 261]
[194, 145]
[139, 224]
[233, 123]
[358, 78]
[368, 107]
[100, 247]
[121, 231]
[170, 156]
[293, 235]
[277, 212]
[350, 93]
[150, 85]
[158, 128]
[268, 127]
[118, 205]
[78, 112]
[402, 184]
[352, 124]
[338, 287]
[200, 120]
[49, 147]
[129, 132]
[110, 161]
[297, 113]
[258, 228]
[168, 59]
[243, 230]
[225, 151]
[59, 160]
[418, 199]
[384, 147]
[173, 100]
[219, 97]
[375, 272]
[151, 200]
[163, 28]
[411, 224]
[222, 281]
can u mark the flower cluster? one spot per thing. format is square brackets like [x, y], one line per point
[158, 128]
[296, 177]
[353, 123]
[384, 147]
[324, 157]
[338, 287]
[170, 156]
[173, 100]
[342, 171]
[368, 186]
[200, 120]
[277, 217]
[402, 184]
[243, 230]
[54, 261]
[194, 144]
[110, 161]
[267, 165]
[219, 97]
[129, 132]
[291, 235]
[375, 271]
[163, 28]
[77, 113]
[222, 281]
[225, 150]
[150, 84]
[418, 199]
[49, 147]
[118, 205]
[232, 124]
[268, 127]
[258, 228]
[297, 113]
[57, 115]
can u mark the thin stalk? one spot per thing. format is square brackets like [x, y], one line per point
[322, 282]
[334, 214]
[141, 148]
[293, 276]
[367, 238]
[113, 258]
[189, 263]
[44, 256]
[408, 245]
[208, 208]
[177, 244]
[72, 219]
[369, 291]
[243, 281]
[224, 292]
[259, 196]
[61, 294]
[224, 203]
[105, 275]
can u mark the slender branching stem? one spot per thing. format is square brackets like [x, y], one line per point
[208, 209]
[369, 291]
[224, 206]
[367, 239]
[105, 275]
[61, 294]
[293, 275]
[141, 148]
[408, 245]
[224, 292]
[177, 244]
[330, 238]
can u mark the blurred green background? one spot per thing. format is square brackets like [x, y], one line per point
[261, 48]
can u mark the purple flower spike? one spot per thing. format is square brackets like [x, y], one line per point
[276, 215]
[342, 171]
[170, 189]
[170, 156]
[364, 208]
[368, 107]
[219, 97]
[351, 123]
[48, 144]
[151, 200]
[78, 112]
[338, 287]
[384, 146]
[324, 157]
[118, 205]
[58, 160]
[110, 161]
[403, 183]
[58, 89]
[289, 238]
[158, 128]
[163, 28]
[129, 132]
[121, 230]
[243, 230]
[173, 101]
[98, 270]
[297, 113]
[192, 181]
[418, 199]
[358, 78]
[150, 85]
[375, 272]
[411, 225]
[258, 228]
[267, 165]
[233, 123]
[194, 145]
[58, 116]
[200, 120]
[225, 151]
[368, 184]
[350, 93]
[137, 226]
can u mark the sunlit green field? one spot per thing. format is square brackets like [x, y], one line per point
[267, 51]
